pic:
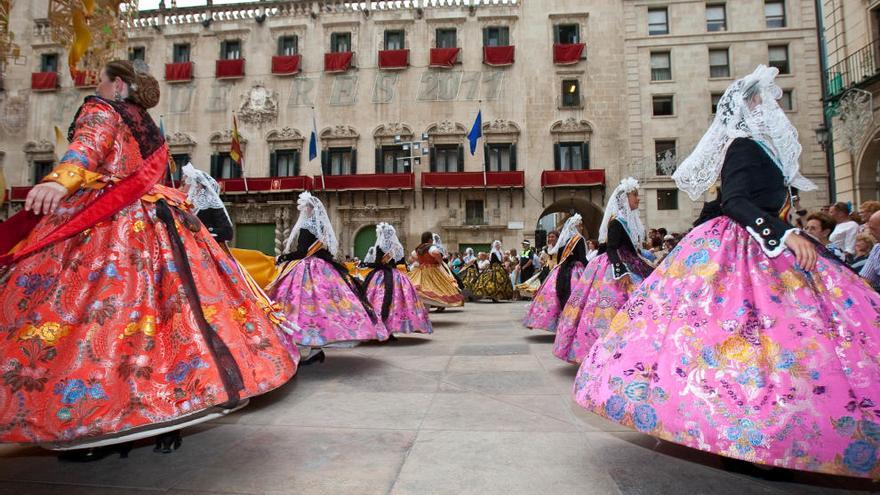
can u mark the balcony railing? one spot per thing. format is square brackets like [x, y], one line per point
[858, 68]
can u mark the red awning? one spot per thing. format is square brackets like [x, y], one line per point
[444, 57]
[267, 184]
[181, 71]
[364, 182]
[466, 180]
[86, 79]
[230, 68]
[286, 64]
[572, 178]
[42, 81]
[337, 61]
[393, 59]
[498, 55]
[567, 54]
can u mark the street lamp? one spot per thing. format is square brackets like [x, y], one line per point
[822, 136]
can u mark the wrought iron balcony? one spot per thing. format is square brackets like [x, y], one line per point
[858, 69]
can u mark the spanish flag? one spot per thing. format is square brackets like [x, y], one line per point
[235, 148]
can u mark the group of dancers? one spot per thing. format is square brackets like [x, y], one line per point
[126, 316]
[750, 339]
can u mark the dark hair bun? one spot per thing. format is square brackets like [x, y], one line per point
[146, 93]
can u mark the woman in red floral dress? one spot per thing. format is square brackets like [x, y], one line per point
[120, 316]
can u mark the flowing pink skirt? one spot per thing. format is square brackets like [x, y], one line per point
[728, 351]
[315, 297]
[544, 309]
[594, 301]
[407, 313]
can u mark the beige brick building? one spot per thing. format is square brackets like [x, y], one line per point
[574, 95]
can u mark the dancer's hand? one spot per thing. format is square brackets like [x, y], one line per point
[44, 198]
[803, 250]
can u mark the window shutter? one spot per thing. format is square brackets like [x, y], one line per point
[223, 50]
[325, 162]
[215, 166]
[354, 161]
[513, 157]
[460, 164]
[433, 158]
[557, 162]
[556, 37]
[296, 155]
[380, 163]
[485, 36]
[280, 45]
[486, 157]
[585, 155]
[273, 164]
[504, 37]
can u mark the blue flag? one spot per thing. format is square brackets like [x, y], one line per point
[313, 140]
[476, 132]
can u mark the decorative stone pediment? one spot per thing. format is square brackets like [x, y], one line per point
[447, 128]
[284, 138]
[571, 128]
[260, 105]
[222, 141]
[339, 136]
[40, 147]
[501, 131]
[387, 134]
[180, 140]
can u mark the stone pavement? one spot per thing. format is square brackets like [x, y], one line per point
[479, 407]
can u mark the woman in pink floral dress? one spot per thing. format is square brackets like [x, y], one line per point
[749, 340]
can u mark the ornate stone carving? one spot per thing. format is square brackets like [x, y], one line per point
[571, 125]
[856, 113]
[225, 137]
[500, 126]
[14, 114]
[393, 129]
[39, 147]
[339, 132]
[180, 139]
[260, 106]
[447, 127]
[284, 134]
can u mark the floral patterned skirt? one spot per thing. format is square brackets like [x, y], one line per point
[544, 310]
[494, 283]
[594, 301]
[315, 297]
[726, 350]
[436, 286]
[407, 313]
[135, 323]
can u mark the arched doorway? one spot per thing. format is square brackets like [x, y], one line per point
[867, 176]
[555, 215]
[363, 240]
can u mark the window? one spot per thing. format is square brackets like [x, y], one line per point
[230, 50]
[496, 36]
[137, 53]
[42, 168]
[719, 63]
[774, 13]
[566, 34]
[661, 66]
[664, 156]
[572, 156]
[500, 157]
[222, 166]
[663, 105]
[284, 163]
[667, 199]
[340, 42]
[778, 57]
[786, 102]
[571, 93]
[180, 159]
[288, 45]
[658, 22]
[473, 212]
[49, 62]
[340, 161]
[447, 158]
[716, 97]
[395, 40]
[393, 160]
[446, 38]
[180, 53]
[716, 18]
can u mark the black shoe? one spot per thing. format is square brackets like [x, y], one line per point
[760, 471]
[317, 357]
[167, 443]
[96, 453]
[391, 338]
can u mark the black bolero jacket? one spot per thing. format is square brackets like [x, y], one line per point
[217, 223]
[618, 239]
[753, 193]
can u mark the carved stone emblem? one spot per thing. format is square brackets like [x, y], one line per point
[260, 106]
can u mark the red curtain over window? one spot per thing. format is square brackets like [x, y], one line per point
[337, 62]
[44, 80]
[567, 54]
[85, 79]
[364, 182]
[230, 68]
[498, 55]
[286, 64]
[393, 59]
[181, 71]
[444, 57]
[464, 180]
[572, 178]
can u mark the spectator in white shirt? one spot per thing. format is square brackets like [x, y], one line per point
[871, 270]
[819, 225]
[844, 234]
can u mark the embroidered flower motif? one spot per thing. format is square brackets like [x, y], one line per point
[615, 407]
[49, 332]
[737, 349]
[644, 417]
[637, 391]
[147, 325]
[138, 227]
[860, 456]
[182, 370]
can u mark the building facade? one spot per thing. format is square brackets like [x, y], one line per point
[573, 96]
[852, 45]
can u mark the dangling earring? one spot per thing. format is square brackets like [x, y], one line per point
[116, 95]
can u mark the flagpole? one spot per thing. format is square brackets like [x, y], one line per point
[318, 155]
[485, 158]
